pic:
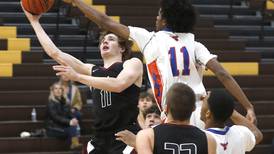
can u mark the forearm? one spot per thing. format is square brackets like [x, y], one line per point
[91, 13]
[45, 41]
[102, 20]
[104, 83]
[232, 86]
[238, 119]
[56, 54]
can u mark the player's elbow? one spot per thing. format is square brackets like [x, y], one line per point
[106, 23]
[52, 53]
[119, 86]
[259, 137]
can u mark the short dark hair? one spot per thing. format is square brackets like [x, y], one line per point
[146, 94]
[180, 15]
[124, 43]
[221, 105]
[180, 101]
[153, 109]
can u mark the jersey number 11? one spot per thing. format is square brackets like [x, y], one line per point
[173, 61]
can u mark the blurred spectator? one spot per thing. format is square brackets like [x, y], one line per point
[60, 122]
[73, 96]
[146, 100]
[152, 118]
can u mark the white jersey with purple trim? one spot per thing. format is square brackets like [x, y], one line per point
[233, 140]
[170, 58]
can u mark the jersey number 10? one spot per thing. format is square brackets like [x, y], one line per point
[173, 61]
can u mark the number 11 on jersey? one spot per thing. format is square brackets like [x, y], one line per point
[173, 61]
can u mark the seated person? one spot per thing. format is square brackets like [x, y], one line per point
[59, 119]
[73, 97]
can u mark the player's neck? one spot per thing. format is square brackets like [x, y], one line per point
[111, 60]
[178, 122]
[141, 120]
[214, 124]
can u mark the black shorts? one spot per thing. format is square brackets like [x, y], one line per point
[105, 142]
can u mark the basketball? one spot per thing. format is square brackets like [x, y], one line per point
[37, 7]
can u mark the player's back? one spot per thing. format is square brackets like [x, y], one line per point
[174, 62]
[171, 57]
[233, 140]
[170, 137]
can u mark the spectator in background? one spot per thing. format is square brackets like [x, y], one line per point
[73, 96]
[146, 100]
[152, 118]
[60, 122]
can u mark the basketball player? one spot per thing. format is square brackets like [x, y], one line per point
[177, 135]
[237, 139]
[116, 86]
[172, 54]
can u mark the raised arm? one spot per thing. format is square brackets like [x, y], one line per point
[131, 74]
[238, 119]
[54, 52]
[232, 86]
[102, 20]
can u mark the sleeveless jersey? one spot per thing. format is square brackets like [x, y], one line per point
[233, 140]
[170, 58]
[113, 111]
[176, 139]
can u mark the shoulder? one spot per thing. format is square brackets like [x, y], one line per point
[133, 62]
[241, 129]
[138, 29]
[211, 143]
[146, 133]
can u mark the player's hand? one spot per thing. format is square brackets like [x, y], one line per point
[250, 115]
[127, 137]
[66, 71]
[30, 16]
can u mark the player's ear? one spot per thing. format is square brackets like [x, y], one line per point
[208, 114]
[194, 108]
[123, 49]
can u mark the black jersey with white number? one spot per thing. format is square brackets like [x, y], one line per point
[113, 111]
[179, 139]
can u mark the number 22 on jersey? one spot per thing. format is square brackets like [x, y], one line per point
[173, 61]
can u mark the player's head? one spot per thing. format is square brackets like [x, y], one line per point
[146, 100]
[218, 107]
[176, 15]
[113, 45]
[180, 101]
[152, 116]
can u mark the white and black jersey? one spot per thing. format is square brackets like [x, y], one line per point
[179, 139]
